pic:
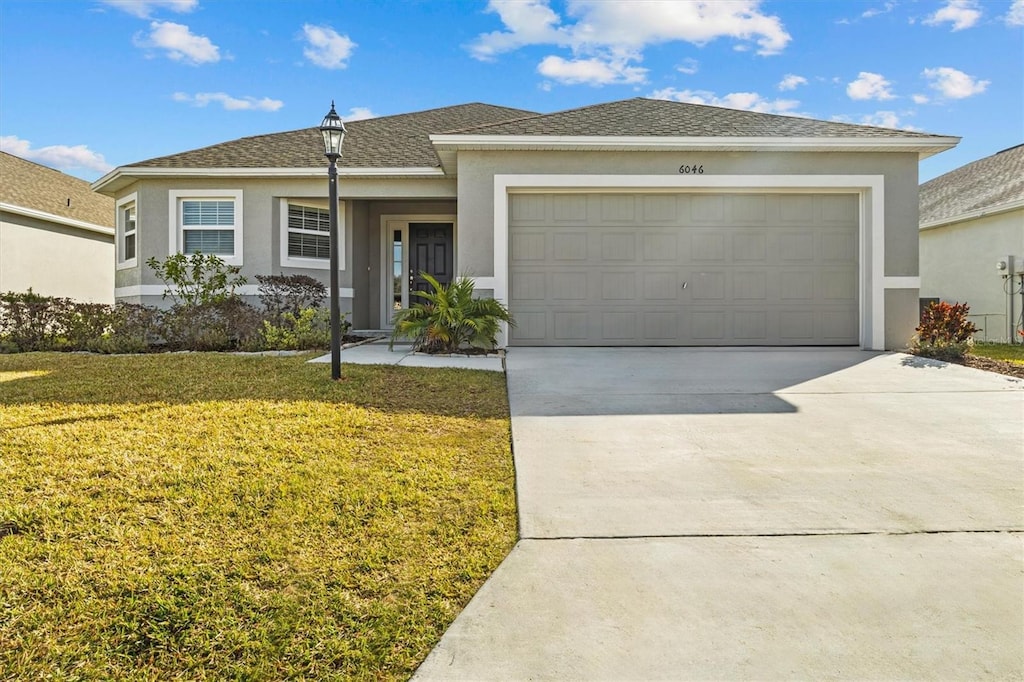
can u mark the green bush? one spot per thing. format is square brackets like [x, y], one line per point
[227, 324]
[310, 330]
[451, 319]
[284, 294]
[198, 279]
[945, 333]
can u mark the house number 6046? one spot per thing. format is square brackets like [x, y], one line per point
[687, 170]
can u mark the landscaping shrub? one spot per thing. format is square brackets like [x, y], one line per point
[281, 295]
[945, 333]
[310, 330]
[227, 324]
[198, 279]
[451, 319]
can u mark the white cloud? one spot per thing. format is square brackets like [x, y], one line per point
[875, 11]
[690, 66]
[358, 114]
[201, 99]
[593, 71]
[180, 43]
[1015, 17]
[326, 47]
[961, 13]
[144, 8]
[920, 99]
[791, 82]
[884, 119]
[750, 101]
[59, 156]
[869, 86]
[954, 84]
[607, 36]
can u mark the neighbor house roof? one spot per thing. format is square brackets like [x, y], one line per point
[990, 185]
[400, 141]
[643, 117]
[31, 189]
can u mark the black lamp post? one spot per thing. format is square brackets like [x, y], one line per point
[333, 131]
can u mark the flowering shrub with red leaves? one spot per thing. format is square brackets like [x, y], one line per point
[945, 332]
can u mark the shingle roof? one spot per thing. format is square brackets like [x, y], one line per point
[400, 141]
[643, 117]
[29, 185]
[983, 184]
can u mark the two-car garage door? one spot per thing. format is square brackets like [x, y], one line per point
[592, 269]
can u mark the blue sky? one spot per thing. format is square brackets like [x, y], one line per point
[87, 85]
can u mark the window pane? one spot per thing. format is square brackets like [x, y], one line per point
[220, 242]
[129, 246]
[129, 218]
[308, 218]
[302, 245]
[207, 212]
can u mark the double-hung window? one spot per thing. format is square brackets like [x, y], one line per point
[306, 234]
[210, 222]
[127, 232]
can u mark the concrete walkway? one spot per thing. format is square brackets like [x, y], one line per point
[754, 514]
[378, 353]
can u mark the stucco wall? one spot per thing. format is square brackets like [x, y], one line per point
[476, 171]
[261, 224]
[958, 265]
[55, 260]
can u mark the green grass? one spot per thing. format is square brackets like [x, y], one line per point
[1000, 351]
[209, 516]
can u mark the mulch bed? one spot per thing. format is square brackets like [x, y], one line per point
[989, 365]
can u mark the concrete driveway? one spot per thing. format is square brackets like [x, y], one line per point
[754, 514]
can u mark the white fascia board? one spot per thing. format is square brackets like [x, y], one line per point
[973, 215]
[923, 146]
[60, 220]
[135, 173]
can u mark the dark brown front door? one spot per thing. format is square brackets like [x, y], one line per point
[431, 247]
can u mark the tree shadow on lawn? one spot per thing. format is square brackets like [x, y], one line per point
[204, 377]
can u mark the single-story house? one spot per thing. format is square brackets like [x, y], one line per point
[972, 240]
[635, 222]
[56, 234]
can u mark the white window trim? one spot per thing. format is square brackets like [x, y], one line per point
[311, 263]
[125, 263]
[174, 201]
[870, 188]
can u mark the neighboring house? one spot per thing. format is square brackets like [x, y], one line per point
[56, 234]
[971, 219]
[637, 222]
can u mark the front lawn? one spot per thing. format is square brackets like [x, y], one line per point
[1000, 351]
[207, 516]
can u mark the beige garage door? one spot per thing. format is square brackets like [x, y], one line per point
[683, 269]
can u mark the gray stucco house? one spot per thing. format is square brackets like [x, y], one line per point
[972, 219]
[636, 222]
[56, 234]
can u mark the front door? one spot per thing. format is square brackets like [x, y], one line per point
[431, 250]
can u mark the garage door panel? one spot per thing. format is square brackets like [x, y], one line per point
[750, 270]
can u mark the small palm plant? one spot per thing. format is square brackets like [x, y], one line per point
[450, 318]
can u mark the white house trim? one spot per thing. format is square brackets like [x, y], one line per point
[124, 264]
[244, 290]
[872, 222]
[925, 147]
[124, 173]
[60, 220]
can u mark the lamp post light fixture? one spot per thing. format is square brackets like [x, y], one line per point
[333, 131]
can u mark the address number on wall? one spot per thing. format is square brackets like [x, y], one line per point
[689, 170]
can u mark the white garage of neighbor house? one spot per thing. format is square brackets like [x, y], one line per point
[56, 234]
[972, 219]
[636, 222]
